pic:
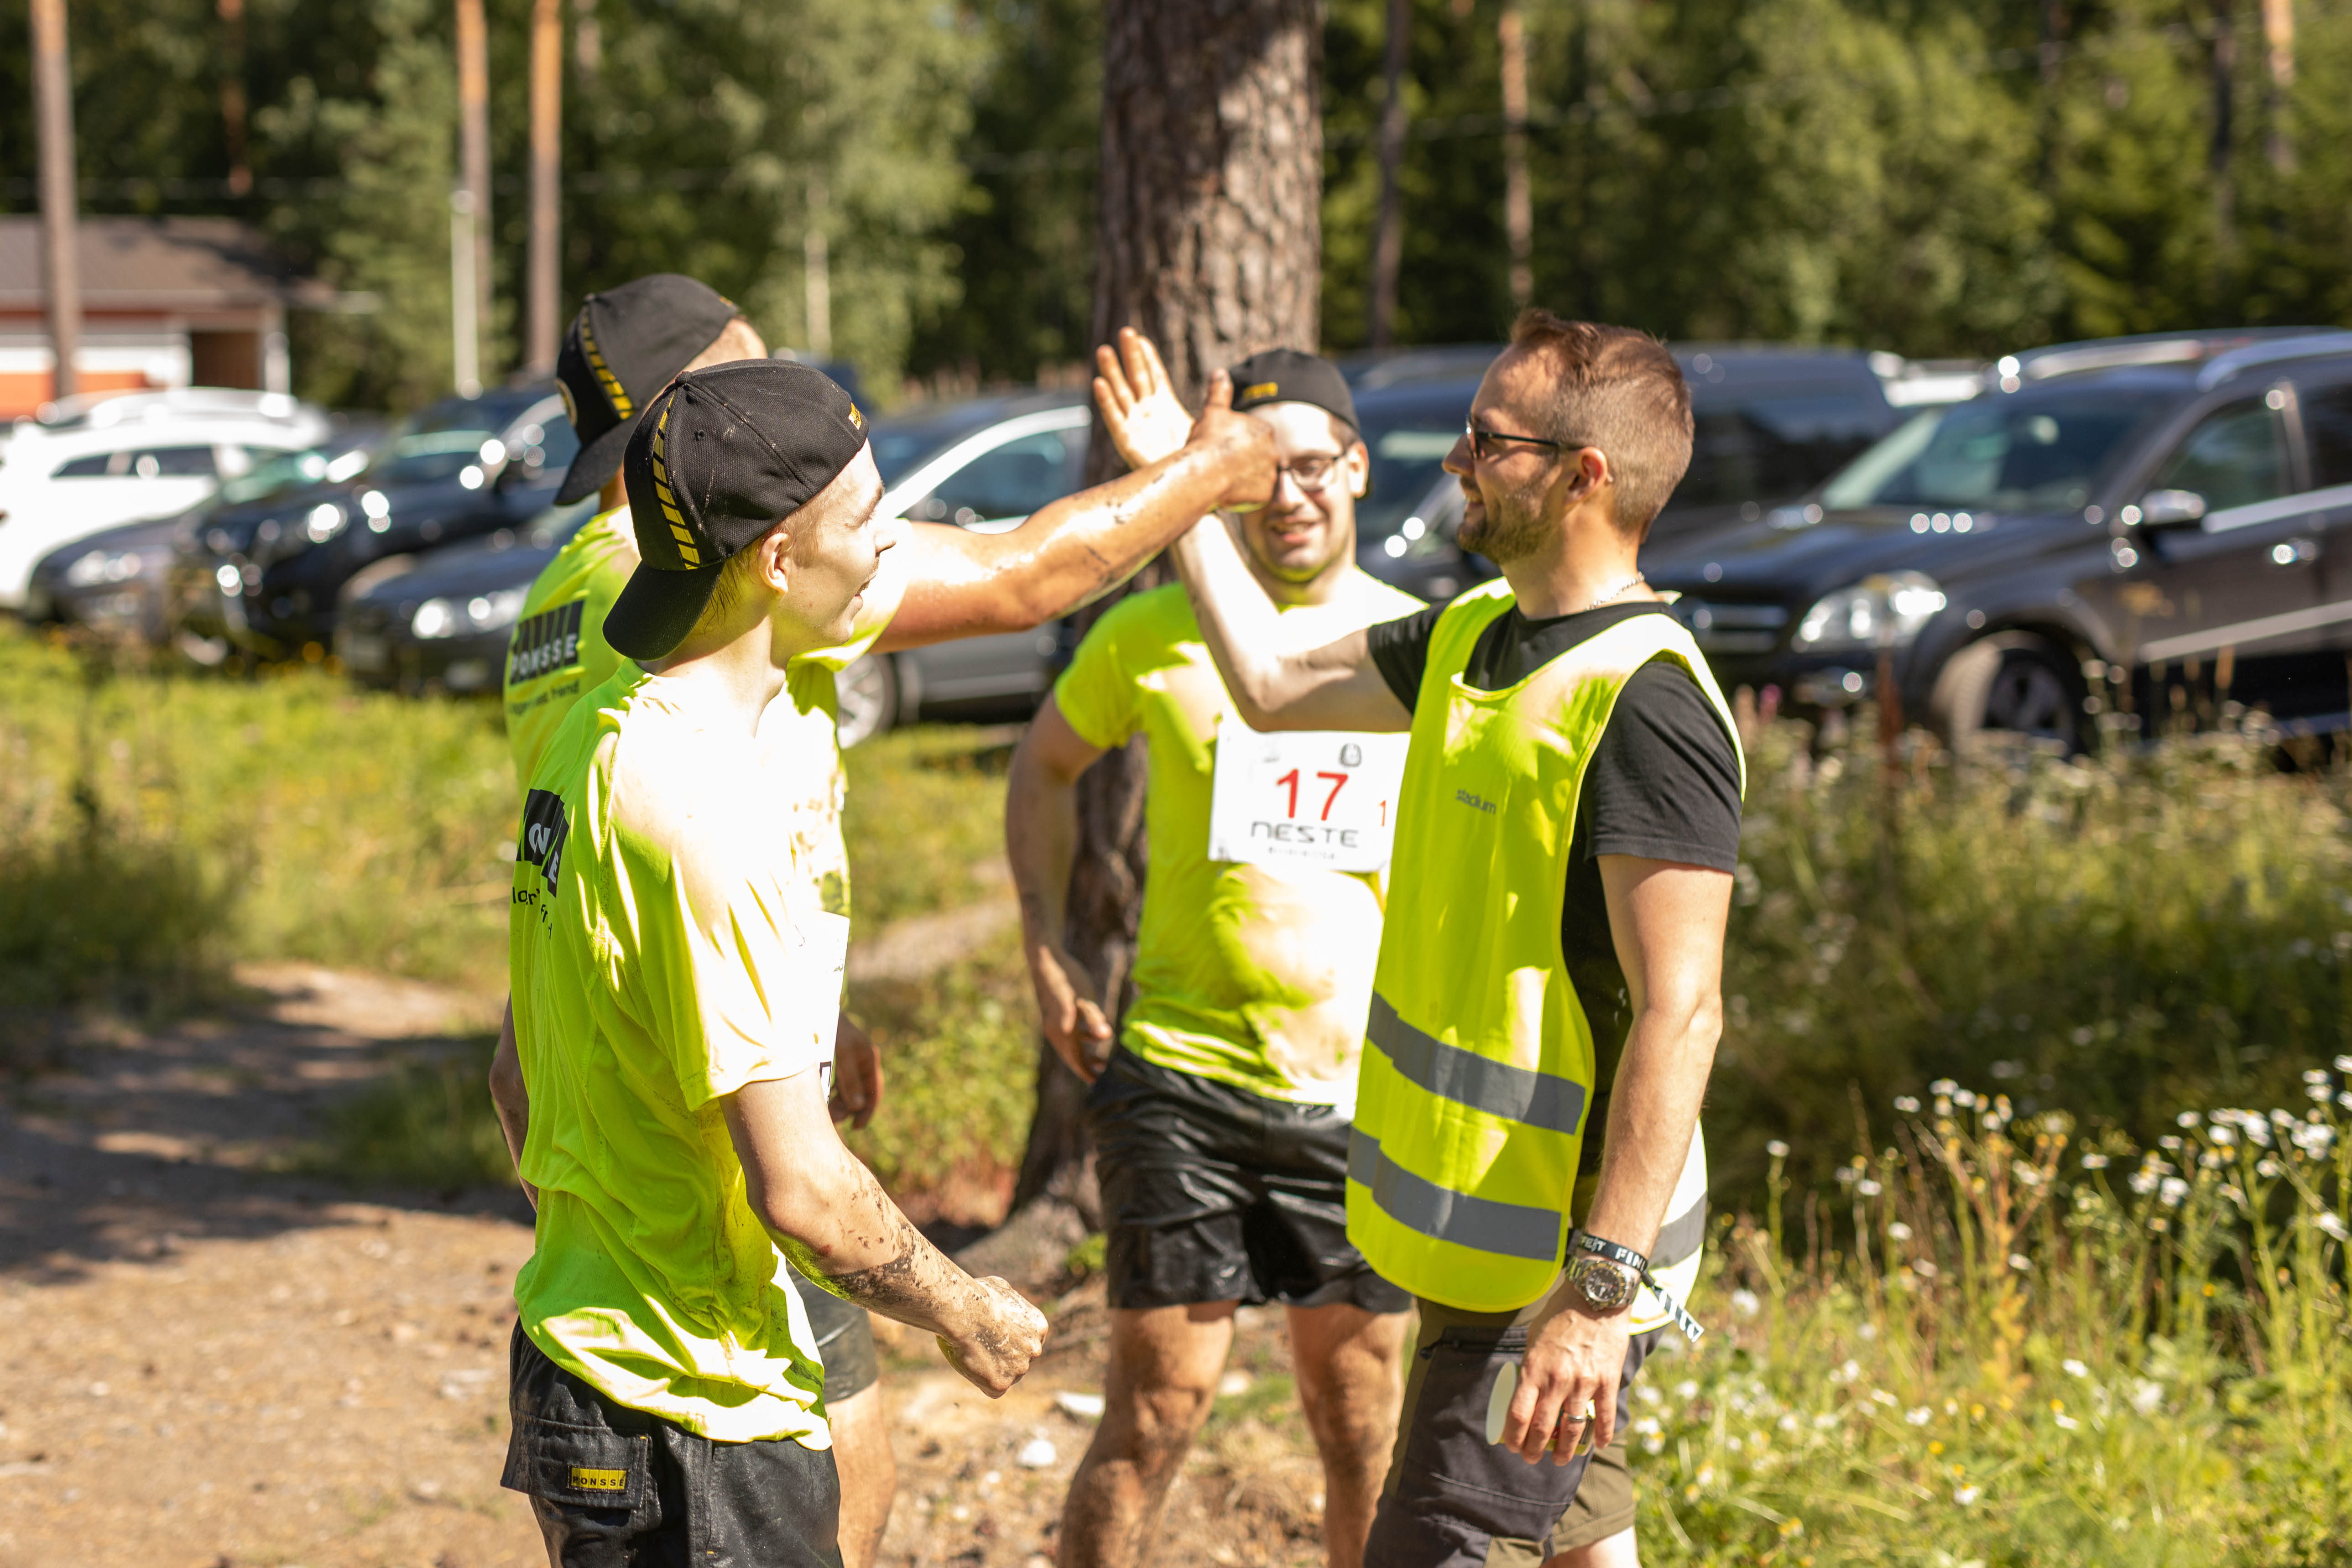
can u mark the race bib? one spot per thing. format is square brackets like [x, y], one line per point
[1305, 797]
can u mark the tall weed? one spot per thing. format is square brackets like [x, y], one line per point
[2118, 936]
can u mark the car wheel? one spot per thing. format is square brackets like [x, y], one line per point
[2012, 684]
[867, 694]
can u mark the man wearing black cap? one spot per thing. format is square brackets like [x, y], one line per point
[676, 981]
[624, 345]
[1221, 1115]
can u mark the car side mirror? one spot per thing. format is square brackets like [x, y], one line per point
[2166, 508]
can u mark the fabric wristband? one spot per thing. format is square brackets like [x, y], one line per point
[1627, 1257]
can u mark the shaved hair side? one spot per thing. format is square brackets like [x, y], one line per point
[1618, 389]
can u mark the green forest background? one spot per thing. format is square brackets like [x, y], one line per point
[1931, 177]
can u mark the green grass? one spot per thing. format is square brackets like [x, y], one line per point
[2041, 1350]
[426, 1124]
[2082, 1316]
[183, 822]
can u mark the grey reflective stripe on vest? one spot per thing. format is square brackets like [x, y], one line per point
[1482, 1224]
[1515, 1094]
[1680, 1237]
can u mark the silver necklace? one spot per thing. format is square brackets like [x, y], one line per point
[1627, 586]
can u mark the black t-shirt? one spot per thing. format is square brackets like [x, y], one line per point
[1663, 784]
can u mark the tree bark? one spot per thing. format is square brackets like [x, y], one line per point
[1209, 242]
[1387, 230]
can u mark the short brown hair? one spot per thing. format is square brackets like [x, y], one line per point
[1618, 390]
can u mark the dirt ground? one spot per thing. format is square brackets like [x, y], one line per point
[215, 1366]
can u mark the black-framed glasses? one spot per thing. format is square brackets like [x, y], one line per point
[1484, 443]
[1312, 472]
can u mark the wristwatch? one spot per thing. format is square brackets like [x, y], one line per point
[1602, 1284]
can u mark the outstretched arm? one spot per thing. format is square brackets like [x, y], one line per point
[827, 1212]
[1334, 686]
[961, 584]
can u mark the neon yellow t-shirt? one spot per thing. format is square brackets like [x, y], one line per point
[668, 947]
[1255, 977]
[559, 650]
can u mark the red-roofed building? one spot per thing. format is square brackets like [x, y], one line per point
[170, 301]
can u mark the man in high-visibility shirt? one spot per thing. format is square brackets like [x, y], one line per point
[675, 980]
[1549, 969]
[940, 582]
[1221, 1118]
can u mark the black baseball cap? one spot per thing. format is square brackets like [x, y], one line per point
[1287, 375]
[624, 346]
[718, 458]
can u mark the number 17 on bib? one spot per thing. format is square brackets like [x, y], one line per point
[1325, 798]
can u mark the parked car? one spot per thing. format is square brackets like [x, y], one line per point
[121, 581]
[439, 620]
[2116, 532]
[463, 469]
[96, 465]
[1770, 424]
[113, 582]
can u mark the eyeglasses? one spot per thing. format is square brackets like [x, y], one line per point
[1313, 471]
[1485, 444]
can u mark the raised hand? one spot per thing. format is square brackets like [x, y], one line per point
[1139, 407]
[1245, 446]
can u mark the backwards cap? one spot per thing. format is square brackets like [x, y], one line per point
[624, 346]
[720, 457]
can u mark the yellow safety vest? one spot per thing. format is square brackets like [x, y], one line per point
[1477, 1069]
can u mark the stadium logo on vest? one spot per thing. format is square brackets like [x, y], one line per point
[547, 642]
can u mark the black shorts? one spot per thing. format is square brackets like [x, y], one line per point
[616, 1488]
[844, 1339]
[1212, 1194]
[1454, 1500]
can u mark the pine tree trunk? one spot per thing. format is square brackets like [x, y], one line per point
[1209, 242]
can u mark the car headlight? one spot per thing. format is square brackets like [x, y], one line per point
[102, 566]
[455, 618]
[1881, 611]
[325, 522]
[436, 618]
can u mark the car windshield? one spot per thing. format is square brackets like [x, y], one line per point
[1408, 432]
[439, 443]
[282, 471]
[2042, 452]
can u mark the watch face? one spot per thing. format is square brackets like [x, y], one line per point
[1604, 1285]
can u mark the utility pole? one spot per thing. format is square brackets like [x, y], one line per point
[546, 173]
[816, 257]
[61, 260]
[1518, 207]
[1388, 230]
[2278, 33]
[474, 155]
[465, 330]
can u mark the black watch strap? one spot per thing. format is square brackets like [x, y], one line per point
[1626, 1257]
[1586, 1242]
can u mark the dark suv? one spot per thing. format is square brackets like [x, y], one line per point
[2115, 535]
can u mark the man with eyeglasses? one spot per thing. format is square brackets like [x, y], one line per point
[1221, 1114]
[1525, 1158]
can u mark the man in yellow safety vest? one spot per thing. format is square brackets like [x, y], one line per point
[1547, 1002]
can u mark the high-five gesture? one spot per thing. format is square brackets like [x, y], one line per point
[1146, 421]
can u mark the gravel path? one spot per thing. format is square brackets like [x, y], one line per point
[215, 1366]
